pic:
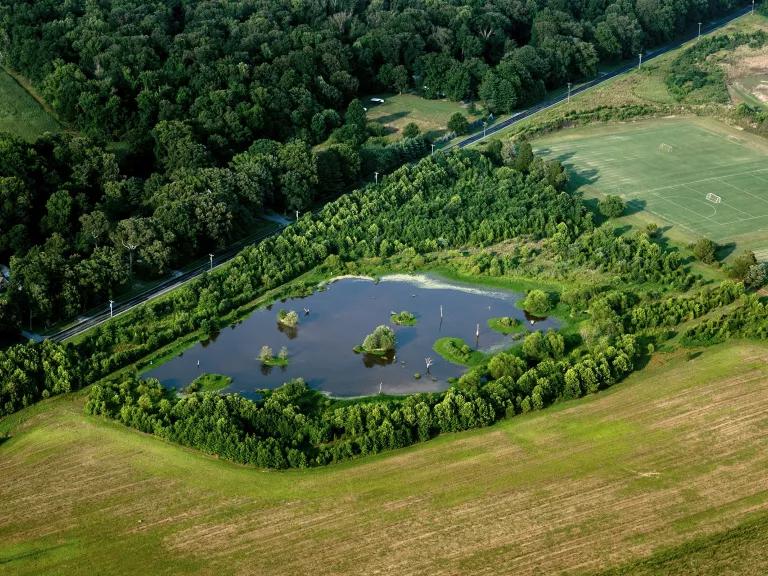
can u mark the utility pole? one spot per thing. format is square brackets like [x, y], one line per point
[210, 259]
[640, 63]
[569, 91]
[111, 302]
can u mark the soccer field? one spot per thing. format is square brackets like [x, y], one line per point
[696, 175]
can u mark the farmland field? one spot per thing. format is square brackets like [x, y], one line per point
[669, 167]
[675, 453]
[20, 114]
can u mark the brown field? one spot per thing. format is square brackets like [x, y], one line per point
[678, 451]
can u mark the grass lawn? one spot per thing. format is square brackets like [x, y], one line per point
[674, 455]
[667, 168]
[20, 113]
[431, 116]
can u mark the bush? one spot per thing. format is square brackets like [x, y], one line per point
[458, 123]
[705, 250]
[611, 206]
[411, 130]
[381, 341]
[537, 302]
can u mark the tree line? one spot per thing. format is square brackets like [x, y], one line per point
[295, 426]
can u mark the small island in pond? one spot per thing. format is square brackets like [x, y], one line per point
[403, 318]
[267, 358]
[457, 351]
[380, 342]
[208, 383]
[505, 325]
[289, 318]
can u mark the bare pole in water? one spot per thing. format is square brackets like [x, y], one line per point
[428, 362]
[441, 311]
[477, 336]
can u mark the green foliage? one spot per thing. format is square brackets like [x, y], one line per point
[457, 351]
[411, 130]
[611, 206]
[288, 318]
[403, 318]
[537, 302]
[693, 75]
[458, 123]
[294, 426]
[505, 325]
[741, 265]
[381, 341]
[208, 383]
[705, 250]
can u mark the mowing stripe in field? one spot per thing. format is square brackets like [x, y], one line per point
[668, 167]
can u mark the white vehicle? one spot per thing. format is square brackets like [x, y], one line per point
[378, 100]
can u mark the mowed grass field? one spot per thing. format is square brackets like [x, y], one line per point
[668, 167]
[20, 113]
[671, 465]
[431, 116]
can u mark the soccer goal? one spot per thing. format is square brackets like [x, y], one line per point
[665, 148]
[714, 198]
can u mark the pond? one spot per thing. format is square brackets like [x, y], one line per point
[320, 348]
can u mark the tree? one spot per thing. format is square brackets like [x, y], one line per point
[411, 130]
[611, 206]
[176, 148]
[537, 302]
[523, 156]
[458, 123]
[705, 250]
[382, 340]
[93, 227]
[742, 263]
[283, 354]
[265, 354]
[298, 176]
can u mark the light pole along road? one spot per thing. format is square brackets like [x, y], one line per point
[122, 306]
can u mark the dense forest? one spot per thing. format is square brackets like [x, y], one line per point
[193, 116]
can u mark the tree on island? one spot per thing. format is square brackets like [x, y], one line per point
[265, 354]
[381, 341]
[289, 318]
[283, 354]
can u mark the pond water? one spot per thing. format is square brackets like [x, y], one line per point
[321, 347]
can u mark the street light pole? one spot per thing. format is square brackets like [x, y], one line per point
[376, 176]
[433, 147]
[210, 259]
[699, 30]
[640, 62]
[569, 91]
[111, 302]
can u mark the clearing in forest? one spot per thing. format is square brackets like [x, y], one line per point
[431, 116]
[20, 113]
[697, 175]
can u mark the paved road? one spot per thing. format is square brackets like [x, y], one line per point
[705, 28]
[122, 306]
